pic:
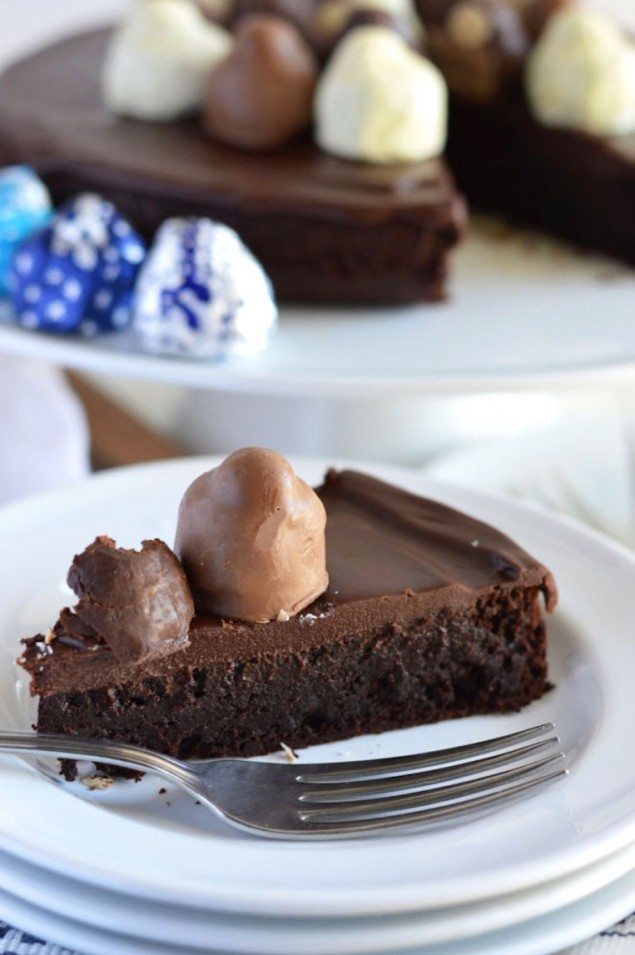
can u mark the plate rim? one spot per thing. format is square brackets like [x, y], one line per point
[531, 903]
[571, 933]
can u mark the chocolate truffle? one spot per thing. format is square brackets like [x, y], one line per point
[250, 536]
[261, 95]
[137, 602]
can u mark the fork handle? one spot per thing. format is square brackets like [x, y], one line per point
[117, 754]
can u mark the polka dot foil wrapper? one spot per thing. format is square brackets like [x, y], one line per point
[77, 275]
[202, 294]
[25, 206]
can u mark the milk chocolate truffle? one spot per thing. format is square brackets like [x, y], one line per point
[250, 536]
[137, 602]
[261, 95]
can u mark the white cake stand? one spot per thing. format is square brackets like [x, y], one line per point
[530, 325]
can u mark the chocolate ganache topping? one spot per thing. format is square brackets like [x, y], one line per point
[250, 536]
[383, 541]
[136, 602]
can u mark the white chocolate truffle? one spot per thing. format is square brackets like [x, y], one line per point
[581, 74]
[158, 59]
[380, 102]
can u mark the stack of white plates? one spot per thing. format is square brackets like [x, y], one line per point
[136, 870]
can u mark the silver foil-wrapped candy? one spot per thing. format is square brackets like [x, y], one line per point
[201, 293]
[78, 273]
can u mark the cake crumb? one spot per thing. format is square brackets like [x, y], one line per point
[197, 802]
[292, 757]
[97, 783]
[283, 616]
[408, 592]
[162, 791]
[309, 619]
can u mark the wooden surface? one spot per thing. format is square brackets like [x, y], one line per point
[117, 437]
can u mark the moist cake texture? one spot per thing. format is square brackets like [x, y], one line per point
[429, 615]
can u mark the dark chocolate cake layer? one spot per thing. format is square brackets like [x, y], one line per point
[577, 186]
[325, 229]
[429, 615]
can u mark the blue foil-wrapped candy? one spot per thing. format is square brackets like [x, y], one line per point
[201, 293]
[78, 273]
[25, 206]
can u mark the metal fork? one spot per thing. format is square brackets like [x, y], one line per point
[339, 800]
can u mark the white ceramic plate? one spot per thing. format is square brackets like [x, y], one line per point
[537, 936]
[129, 837]
[524, 312]
[179, 926]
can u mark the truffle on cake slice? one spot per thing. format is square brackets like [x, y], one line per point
[427, 614]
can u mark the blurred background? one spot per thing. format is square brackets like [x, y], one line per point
[535, 425]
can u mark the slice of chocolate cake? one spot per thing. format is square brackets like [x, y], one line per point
[428, 615]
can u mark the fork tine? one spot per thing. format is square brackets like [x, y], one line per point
[369, 785]
[428, 816]
[427, 797]
[327, 772]
[382, 782]
[375, 785]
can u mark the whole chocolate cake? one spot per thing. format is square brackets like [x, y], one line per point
[422, 614]
[326, 229]
[317, 129]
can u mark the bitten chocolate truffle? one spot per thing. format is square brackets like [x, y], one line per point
[250, 536]
[261, 95]
[137, 602]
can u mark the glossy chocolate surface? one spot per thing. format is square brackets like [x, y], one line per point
[383, 541]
